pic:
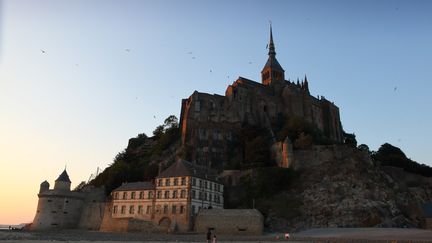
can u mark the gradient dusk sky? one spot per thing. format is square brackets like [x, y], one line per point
[79, 78]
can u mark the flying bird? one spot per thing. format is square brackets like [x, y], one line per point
[395, 88]
[128, 50]
[190, 53]
[193, 57]
[43, 51]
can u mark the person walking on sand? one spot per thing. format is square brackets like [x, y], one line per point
[214, 238]
[208, 236]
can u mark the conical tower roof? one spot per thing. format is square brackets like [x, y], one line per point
[63, 177]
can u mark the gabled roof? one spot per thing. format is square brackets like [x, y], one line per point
[186, 168]
[64, 177]
[135, 186]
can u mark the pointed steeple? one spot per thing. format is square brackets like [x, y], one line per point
[306, 84]
[272, 70]
[272, 50]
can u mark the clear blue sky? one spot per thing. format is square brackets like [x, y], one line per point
[80, 101]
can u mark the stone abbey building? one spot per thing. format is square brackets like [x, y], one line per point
[208, 121]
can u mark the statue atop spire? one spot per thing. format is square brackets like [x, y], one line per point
[272, 70]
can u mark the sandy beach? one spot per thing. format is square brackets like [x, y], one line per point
[375, 235]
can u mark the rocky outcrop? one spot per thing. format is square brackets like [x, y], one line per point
[341, 186]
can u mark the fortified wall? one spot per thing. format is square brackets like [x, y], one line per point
[61, 208]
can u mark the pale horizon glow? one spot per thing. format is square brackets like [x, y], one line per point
[79, 78]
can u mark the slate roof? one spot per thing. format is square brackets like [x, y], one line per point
[273, 63]
[186, 168]
[136, 186]
[64, 177]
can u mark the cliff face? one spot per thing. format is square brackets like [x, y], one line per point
[341, 186]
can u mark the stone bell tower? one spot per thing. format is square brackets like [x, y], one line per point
[272, 71]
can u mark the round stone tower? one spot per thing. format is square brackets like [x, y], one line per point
[58, 208]
[44, 186]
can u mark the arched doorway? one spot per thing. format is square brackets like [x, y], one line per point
[165, 223]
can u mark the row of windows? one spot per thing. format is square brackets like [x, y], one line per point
[132, 195]
[175, 181]
[205, 196]
[158, 209]
[174, 194]
[207, 185]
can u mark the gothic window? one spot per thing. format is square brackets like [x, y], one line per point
[159, 194]
[116, 195]
[140, 211]
[132, 195]
[183, 194]
[174, 194]
[131, 209]
[166, 194]
[148, 209]
[141, 195]
[197, 106]
[181, 209]
[174, 209]
[115, 209]
[165, 209]
[123, 210]
[175, 181]
[167, 181]
[124, 195]
[150, 195]
[183, 181]
[160, 182]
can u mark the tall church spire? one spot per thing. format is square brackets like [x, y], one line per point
[272, 70]
[272, 51]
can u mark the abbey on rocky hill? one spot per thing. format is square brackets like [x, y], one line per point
[208, 121]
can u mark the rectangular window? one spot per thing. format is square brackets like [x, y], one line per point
[210, 197]
[174, 209]
[211, 186]
[123, 210]
[159, 194]
[174, 195]
[193, 194]
[131, 209]
[115, 210]
[165, 209]
[148, 209]
[205, 184]
[116, 195]
[200, 183]
[140, 211]
[197, 106]
[124, 195]
[201, 196]
[181, 209]
[167, 181]
[193, 181]
[175, 181]
[183, 181]
[193, 209]
[183, 194]
[166, 194]
[160, 182]
[132, 195]
[150, 195]
[141, 195]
